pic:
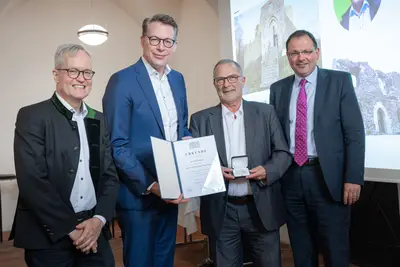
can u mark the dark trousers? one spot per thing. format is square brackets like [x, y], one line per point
[71, 257]
[242, 230]
[149, 236]
[316, 223]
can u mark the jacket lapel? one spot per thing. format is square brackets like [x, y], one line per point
[173, 83]
[250, 122]
[93, 135]
[322, 85]
[286, 96]
[218, 132]
[145, 83]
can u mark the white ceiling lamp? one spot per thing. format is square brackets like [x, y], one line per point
[93, 34]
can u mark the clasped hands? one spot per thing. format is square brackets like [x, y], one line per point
[257, 173]
[86, 234]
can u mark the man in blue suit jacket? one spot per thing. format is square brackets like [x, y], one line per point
[319, 113]
[143, 100]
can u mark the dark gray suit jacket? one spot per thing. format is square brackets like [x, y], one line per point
[338, 127]
[265, 146]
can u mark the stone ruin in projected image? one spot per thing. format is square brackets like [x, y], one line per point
[264, 59]
[378, 94]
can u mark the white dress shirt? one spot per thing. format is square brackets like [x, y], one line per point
[165, 100]
[358, 21]
[235, 145]
[83, 195]
[166, 103]
[311, 87]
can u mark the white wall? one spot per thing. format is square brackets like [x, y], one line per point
[198, 52]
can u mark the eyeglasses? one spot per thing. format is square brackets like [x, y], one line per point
[231, 79]
[297, 53]
[74, 73]
[154, 41]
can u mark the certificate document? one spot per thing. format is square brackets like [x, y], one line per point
[190, 167]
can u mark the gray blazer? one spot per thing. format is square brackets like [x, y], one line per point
[265, 146]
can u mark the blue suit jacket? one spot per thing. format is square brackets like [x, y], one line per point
[133, 115]
[338, 127]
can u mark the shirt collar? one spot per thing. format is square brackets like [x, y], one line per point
[364, 7]
[84, 111]
[312, 78]
[227, 112]
[151, 71]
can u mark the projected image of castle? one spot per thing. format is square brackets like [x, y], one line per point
[378, 94]
[260, 38]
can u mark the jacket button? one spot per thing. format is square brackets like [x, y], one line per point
[71, 171]
[76, 148]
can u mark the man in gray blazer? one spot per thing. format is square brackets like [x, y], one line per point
[249, 214]
[319, 113]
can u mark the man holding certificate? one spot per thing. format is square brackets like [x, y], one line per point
[254, 155]
[146, 99]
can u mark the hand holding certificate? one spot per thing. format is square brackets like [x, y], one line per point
[189, 167]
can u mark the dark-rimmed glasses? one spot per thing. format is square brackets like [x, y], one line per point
[154, 41]
[74, 73]
[231, 79]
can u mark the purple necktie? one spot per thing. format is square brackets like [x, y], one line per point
[300, 148]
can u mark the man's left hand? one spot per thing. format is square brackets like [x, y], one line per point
[351, 193]
[91, 232]
[257, 173]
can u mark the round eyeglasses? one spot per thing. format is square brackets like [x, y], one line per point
[154, 41]
[74, 73]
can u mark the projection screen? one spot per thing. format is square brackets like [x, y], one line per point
[368, 49]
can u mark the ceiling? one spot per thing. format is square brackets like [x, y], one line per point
[134, 8]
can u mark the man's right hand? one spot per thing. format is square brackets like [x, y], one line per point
[155, 189]
[74, 235]
[227, 173]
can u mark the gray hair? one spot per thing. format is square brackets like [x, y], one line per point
[164, 19]
[228, 61]
[67, 50]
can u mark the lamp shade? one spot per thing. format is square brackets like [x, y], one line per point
[92, 34]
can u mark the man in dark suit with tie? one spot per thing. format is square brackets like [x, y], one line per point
[66, 176]
[319, 113]
[249, 214]
[143, 100]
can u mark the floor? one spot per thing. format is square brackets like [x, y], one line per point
[186, 255]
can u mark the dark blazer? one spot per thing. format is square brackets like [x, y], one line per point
[132, 112]
[373, 8]
[338, 127]
[46, 152]
[265, 146]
